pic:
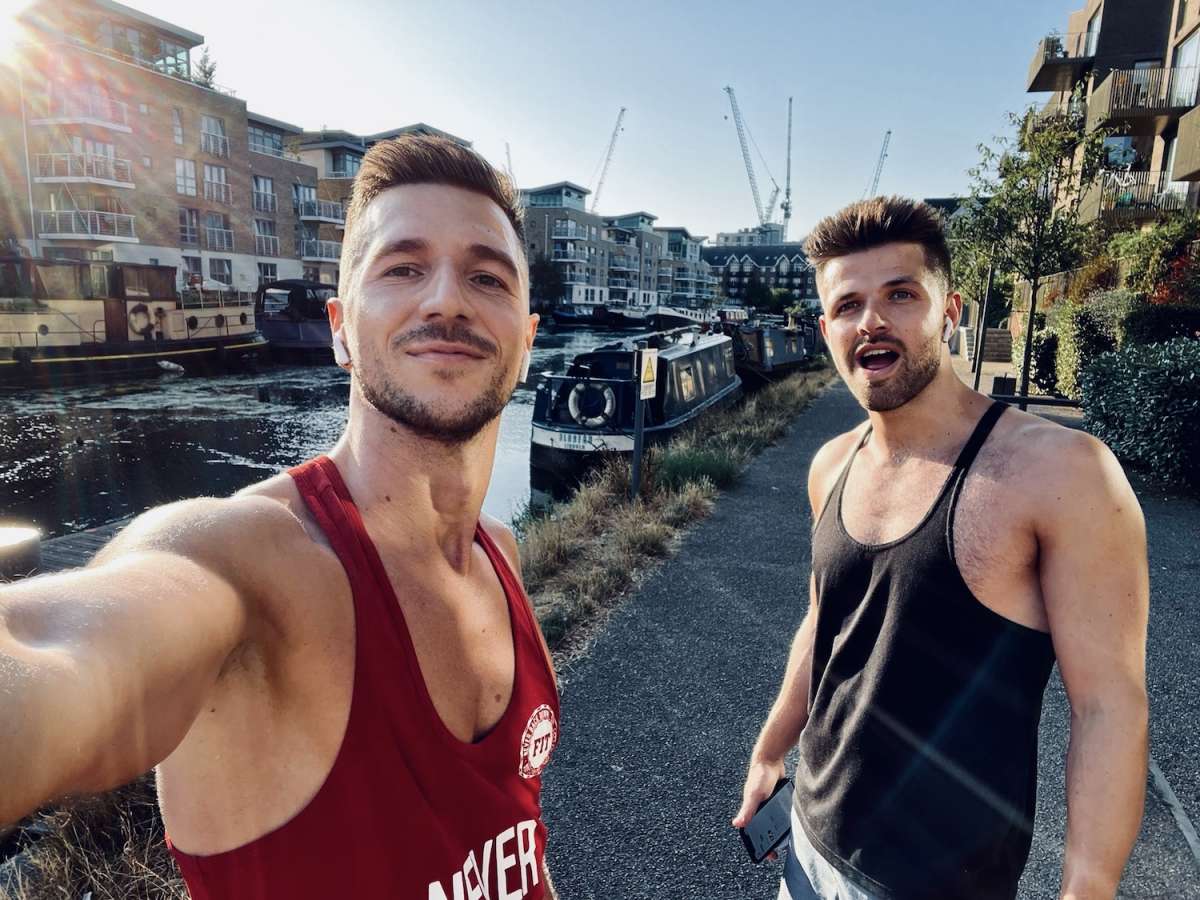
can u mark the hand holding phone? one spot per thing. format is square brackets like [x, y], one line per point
[771, 823]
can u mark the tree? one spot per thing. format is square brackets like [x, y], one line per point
[1028, 190]
[757, 294]
[205, 68]
[545, 282]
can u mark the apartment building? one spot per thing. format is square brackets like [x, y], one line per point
[685, 278]
[321, 209]
[1133, 66]
[559, 228]
[781, 266]
[116, 150]
[758, 236]
[635, 253]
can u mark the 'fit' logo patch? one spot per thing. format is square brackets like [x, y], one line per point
[541, 734]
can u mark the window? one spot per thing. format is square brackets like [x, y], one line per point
[189, 226]
[193, 269]
[267, 272]
[265, 227]
[303, 195]
[345, 165]
[212, 136]
[172, 59]
[216, 184]
[263, 141]
[185, 177]
[221, 270]
[217, 233]
[177, 124]
[264, 194]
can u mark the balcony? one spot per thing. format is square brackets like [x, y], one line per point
[266, 245]
[80, 108]
[620, 283]
[575, 276]
[1073, 111]
[320, 251]
[623, 262]
[341, 173]
[218, 239]
[569, 233]
[214, 144]
[1187, 149]
[1061, 60]
[1145, 101]
[569, 256]
[321, 211]
[87, 224]
[265, 202]
[1132, 197]
[218, 192]
[70, 168]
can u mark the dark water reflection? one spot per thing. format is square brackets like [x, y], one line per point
[76, 458]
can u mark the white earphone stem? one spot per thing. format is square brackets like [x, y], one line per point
[341, 355]
[525, 363]
[947, 331]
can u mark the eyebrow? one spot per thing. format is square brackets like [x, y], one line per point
[891, 282]
[477, 251]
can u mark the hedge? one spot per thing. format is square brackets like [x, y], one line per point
[1144, 402]
[1086, 331]
[1148, 323]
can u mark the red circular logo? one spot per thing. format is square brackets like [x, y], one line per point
[541, 734]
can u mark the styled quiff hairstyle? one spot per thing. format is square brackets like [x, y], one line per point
[424, 159]
[878, 221]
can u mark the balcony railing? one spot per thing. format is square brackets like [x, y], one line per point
[341, 173]
[1132, 196]
[327, 210]
[1073, 109]
[87, 223]
[575, 277]
[218, 239]
[84, 167]
[265, 201]
[331, 250]
[1060, 60]
[214, 144]
[622, 262]
[69, 107]
[218, 191]
[569, 256]
[1187, 153]
[1145, 100]
[620, 282]
[569, 233]
[266, 245]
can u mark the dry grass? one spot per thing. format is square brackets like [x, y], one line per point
[578, 560]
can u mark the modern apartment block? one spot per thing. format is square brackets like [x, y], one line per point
[559, 228]
[782, 266]
[635, 254]
[321, 208]
[684, 276]
[758, 236]
[1134, 66]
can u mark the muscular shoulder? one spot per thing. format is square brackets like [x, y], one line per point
[504, 539]
[827, 465]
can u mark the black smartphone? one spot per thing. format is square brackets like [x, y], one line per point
[772, 823]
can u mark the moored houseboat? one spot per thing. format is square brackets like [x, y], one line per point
[589, 410]
[771, 347]
[66, 321]
[291, 316]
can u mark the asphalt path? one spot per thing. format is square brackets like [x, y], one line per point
[660, 715]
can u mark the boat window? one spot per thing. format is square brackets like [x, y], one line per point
[687, 384]
[275, 301]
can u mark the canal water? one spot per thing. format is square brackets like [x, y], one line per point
[79, 457]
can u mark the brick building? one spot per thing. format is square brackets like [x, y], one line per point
[782, 266]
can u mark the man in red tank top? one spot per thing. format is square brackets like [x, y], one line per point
[336, 671]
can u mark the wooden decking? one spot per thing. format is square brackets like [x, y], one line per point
[74, 550]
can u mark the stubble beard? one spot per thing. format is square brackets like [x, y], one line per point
[917, 371]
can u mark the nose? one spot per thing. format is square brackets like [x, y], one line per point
[444, 297]
[872, 322]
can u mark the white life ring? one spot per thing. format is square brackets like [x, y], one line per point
[610, 405]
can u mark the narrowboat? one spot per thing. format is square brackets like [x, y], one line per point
[67, 321]
[589, 410]
[599, 317]
[663, 317]
[291, 316]
[771, 347]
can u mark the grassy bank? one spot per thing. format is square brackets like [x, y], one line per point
[578, 558]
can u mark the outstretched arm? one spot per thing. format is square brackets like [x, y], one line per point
[103, 669]
[1095, 582]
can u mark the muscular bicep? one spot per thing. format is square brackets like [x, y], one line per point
[1094, 577]
[107, 666]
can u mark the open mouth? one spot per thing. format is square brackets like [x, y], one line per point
[877, 359]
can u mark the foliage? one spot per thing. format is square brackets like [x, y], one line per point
[757, 295]
[1144, 402]
[206, 69]
[1098, 274]
[1150, 252]
[1150, 324]
[1044, 362]
[545, 282]
[1084, 332]
[1180, 284]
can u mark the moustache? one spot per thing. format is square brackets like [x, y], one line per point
[454, 334]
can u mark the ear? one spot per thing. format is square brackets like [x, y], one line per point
[336, 312]
[824, 328]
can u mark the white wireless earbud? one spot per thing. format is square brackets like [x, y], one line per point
[341, 355]
[947, 331]
[525, 362]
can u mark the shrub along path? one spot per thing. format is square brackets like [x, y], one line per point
[659, 717]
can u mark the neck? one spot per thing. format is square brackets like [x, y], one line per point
[416, 495]
[933, 423]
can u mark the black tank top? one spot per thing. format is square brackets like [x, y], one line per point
[918, 765]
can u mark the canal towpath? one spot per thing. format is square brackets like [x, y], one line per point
[660, 714]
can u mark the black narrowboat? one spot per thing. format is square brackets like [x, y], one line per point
[291, 315]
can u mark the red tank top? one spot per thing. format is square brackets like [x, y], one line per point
[408, 810]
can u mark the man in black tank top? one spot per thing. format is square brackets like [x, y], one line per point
[960, 549]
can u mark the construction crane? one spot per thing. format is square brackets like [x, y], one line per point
[874, 188]
[741, 133]
[612, 145]
[787, 189]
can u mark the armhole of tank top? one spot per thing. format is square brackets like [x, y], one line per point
[841, 477]
[962, 468]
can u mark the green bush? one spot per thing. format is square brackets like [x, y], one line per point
[1043, 365]
[1144, 402]
[1100, 274]
[1085, 331]
[1151, 324]
[1150, 253]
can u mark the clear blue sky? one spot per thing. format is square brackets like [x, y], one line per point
[550, 77]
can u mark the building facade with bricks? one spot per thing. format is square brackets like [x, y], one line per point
[778, 267]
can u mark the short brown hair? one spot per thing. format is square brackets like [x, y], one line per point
[425, 159]
[878, 221]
